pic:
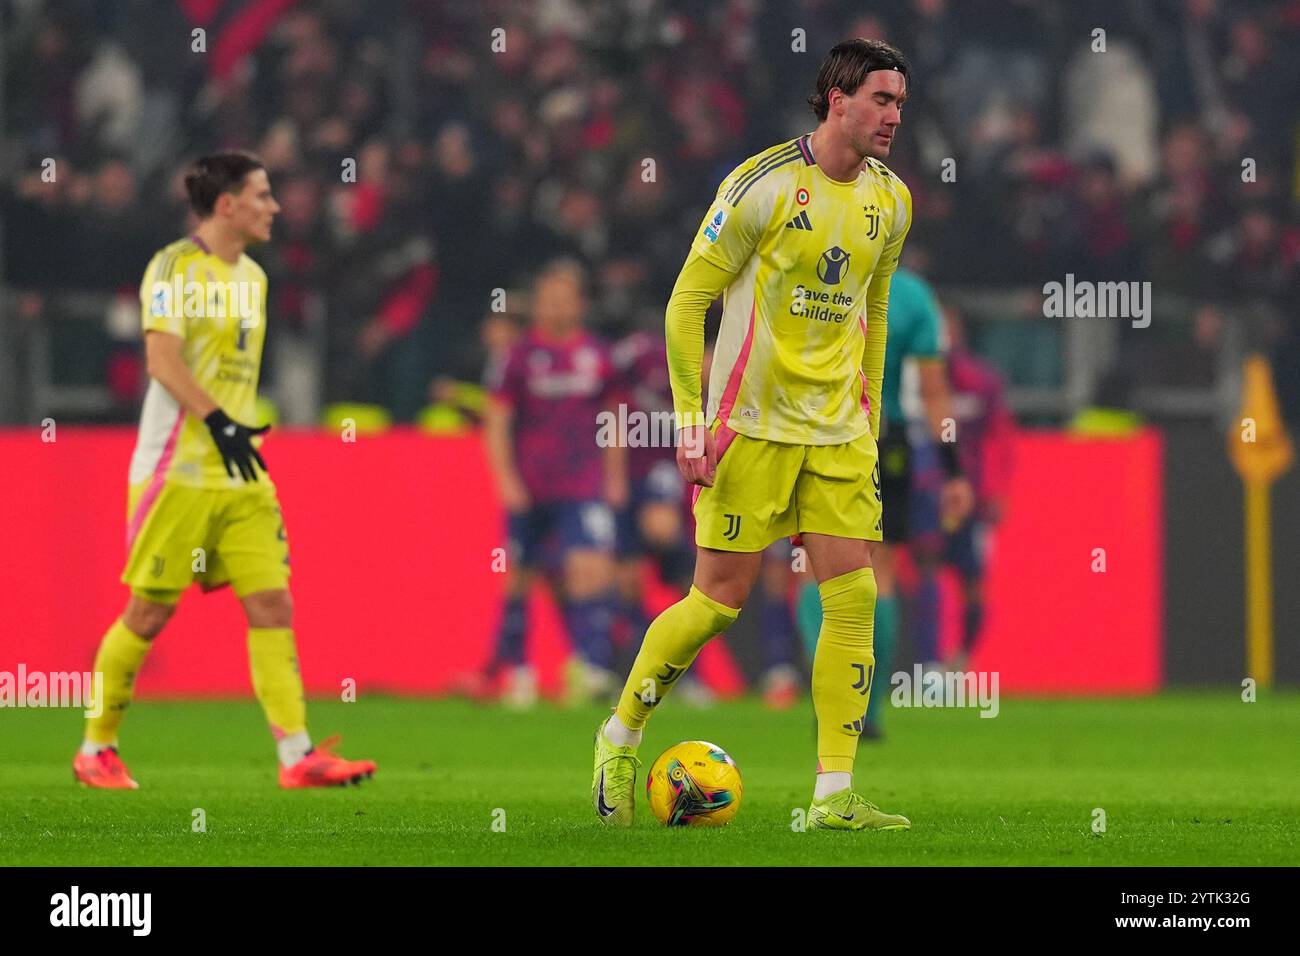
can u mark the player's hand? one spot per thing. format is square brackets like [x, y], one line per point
[234, 441]
[697, 455]
[514, 495]
[956, 502]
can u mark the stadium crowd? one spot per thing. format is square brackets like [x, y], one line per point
[487, 138]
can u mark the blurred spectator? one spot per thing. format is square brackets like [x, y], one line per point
[1110, 106]
[297, 268]
[601, 130]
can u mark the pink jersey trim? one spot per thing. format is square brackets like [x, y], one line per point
[737, 372]
[865, 401]
[155, 482]
[725, 433]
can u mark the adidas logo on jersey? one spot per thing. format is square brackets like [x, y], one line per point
[800, 221]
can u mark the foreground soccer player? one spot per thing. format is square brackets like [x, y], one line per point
[197, 509]
[803, 238]
[558, 485]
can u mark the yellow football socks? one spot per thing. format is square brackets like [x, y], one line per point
[671, 644]
[120, 654]
[843, 667]
[273, 659]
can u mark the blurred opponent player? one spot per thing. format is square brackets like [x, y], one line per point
[777, 632]
[197, 510]
[803, 238]
[559, 487]
[985, 425]
[650, 522]
[652, 525]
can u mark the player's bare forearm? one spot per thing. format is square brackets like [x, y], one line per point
[497, 418]
[166, 364]
[936, 397]
[615, 462]
[496, 436]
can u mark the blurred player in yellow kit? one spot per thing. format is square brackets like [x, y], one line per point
[197, 509]
[802, 240]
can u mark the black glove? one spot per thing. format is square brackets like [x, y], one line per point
[232, 440]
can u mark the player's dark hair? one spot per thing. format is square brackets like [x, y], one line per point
[210, 176]
[846, 66]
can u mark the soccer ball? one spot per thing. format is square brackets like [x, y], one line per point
[694, 784]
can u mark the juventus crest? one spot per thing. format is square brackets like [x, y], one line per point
[873, 220]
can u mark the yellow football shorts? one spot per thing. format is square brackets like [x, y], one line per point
[765, 490]
[177, 534]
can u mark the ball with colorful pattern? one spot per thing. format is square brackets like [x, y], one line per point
[694, 784]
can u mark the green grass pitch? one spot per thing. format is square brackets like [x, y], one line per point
[1184, 778]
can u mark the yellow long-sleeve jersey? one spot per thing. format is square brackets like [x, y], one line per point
[804, 264]
[219, 311]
